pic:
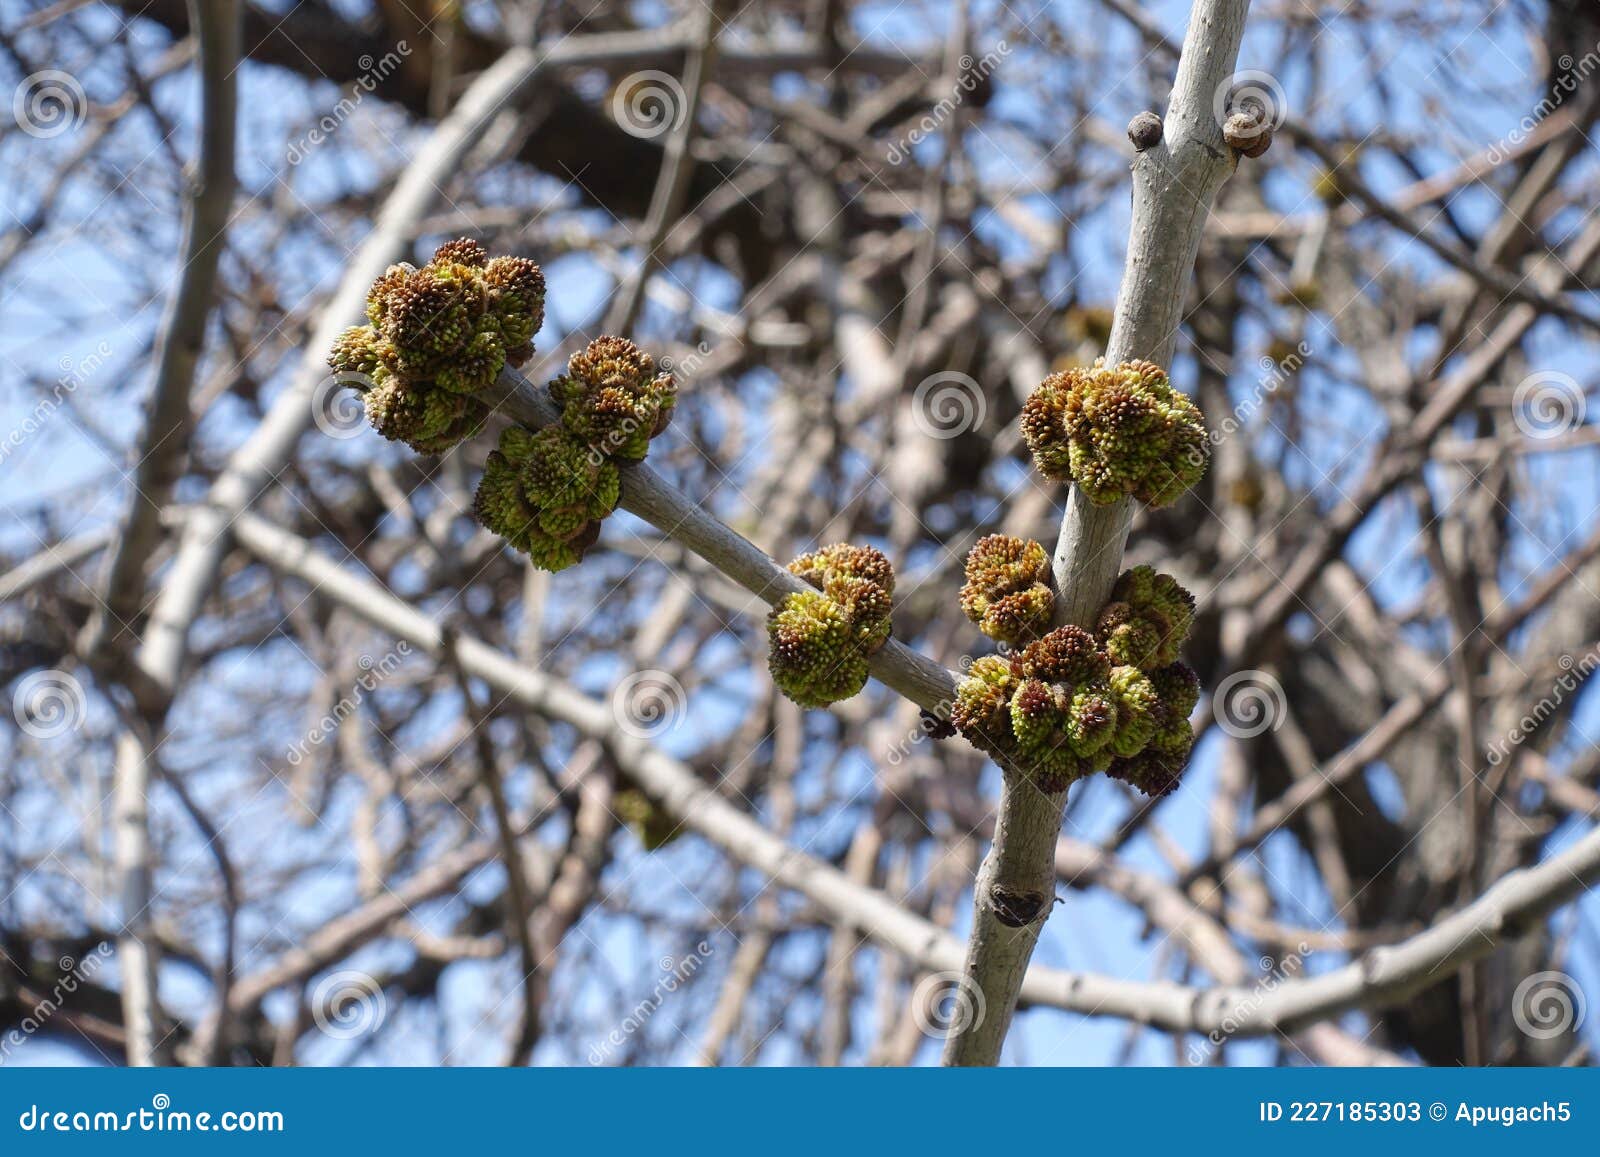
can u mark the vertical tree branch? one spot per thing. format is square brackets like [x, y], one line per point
[1174, 183]
[217, 29]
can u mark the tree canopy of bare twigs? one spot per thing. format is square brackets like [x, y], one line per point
[301, 764]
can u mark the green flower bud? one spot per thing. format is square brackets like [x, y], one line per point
[1006, 591]
[816, 657]
[1138, 710]
[545, 493]
[1091, 719]
[1042, 721]
[1157, 769]
[982, 707]
[431, 314]
[445, 329]
[821, 639]
[428, 420]
[516, 295]
[1116, 430]
[461, 251]
[859, 578]
[1148, 619]
[1066, 655]
[475, 367]
[613, 399]
[358, 350]
[379, 296]
[1179, 689]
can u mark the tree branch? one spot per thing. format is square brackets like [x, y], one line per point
[1174, 183]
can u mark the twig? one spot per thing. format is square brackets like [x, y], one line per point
[1174, 183]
